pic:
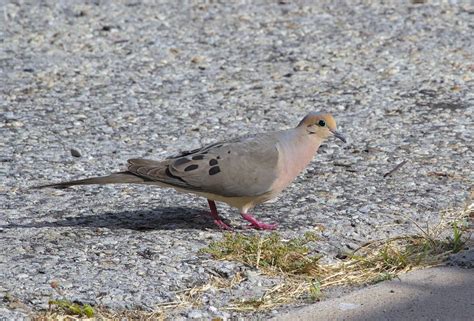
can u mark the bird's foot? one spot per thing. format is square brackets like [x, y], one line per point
[254, 223]
[215, 215]
[223, 225]
[218, 221]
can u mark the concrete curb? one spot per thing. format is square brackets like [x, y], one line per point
[441, 293]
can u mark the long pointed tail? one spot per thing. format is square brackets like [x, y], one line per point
[115, 178]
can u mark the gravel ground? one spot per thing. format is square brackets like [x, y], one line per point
[120, 79]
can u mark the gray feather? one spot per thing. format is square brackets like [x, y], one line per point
[115, 178]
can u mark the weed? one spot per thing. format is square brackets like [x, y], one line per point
[314, 290]
[268, 252]
[457, 240]
[72, 308]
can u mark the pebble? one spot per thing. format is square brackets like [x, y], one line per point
[195, 314]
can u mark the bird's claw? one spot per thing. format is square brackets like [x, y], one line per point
[254, 223]
[263, 226]
[223, 225]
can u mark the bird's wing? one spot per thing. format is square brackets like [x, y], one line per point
[246, 166]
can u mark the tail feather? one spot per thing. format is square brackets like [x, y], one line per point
[115, 178]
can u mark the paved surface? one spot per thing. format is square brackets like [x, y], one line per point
[441, 293]
[124, 79]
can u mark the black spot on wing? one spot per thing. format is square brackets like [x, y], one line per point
[198, 157]
[213, 162]
[181, 161]
[214, 170]
[191, 168]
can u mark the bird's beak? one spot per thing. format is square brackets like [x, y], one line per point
[338, 135]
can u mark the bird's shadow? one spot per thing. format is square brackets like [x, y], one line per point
[162, 218]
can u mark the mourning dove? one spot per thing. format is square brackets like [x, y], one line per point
[242, 172]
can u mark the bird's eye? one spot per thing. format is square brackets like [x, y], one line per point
[322, 123]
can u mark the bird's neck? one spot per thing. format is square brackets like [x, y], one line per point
[305, 147]
[298, 150]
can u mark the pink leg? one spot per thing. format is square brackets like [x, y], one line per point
[256, 224]
[216, 217]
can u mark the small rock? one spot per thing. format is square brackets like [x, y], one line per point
[195, 314]
[75, 152]
[252, 276]
[197, 59]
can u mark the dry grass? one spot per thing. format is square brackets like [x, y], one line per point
[193, 297]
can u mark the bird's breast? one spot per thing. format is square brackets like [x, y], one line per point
[293, 159]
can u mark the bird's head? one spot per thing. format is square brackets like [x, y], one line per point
[322, 125]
